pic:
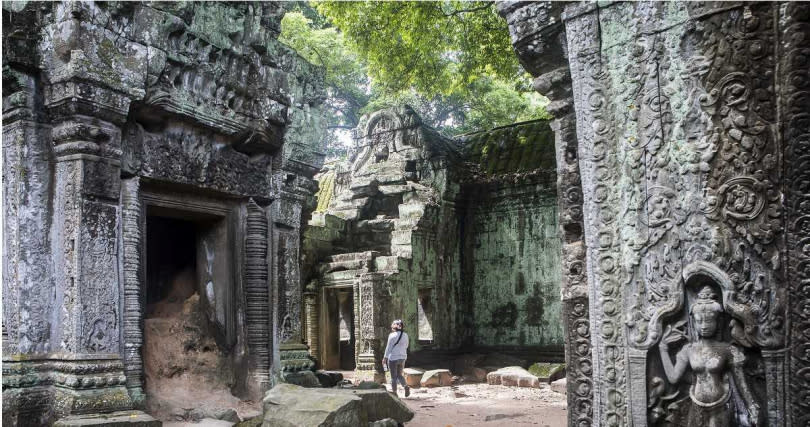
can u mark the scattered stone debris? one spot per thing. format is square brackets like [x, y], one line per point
[559, 386]
[288, 405]
[548, 372]
[436, 378]
[513, 376]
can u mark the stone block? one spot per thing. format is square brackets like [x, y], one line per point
[113, 419]
[385, 263]
[548, 372]
[436, 378]
[379, 404]
[329, 378]
[559, 386]
[413, 376]
[513, 376]
[288, 405]
[302, 378]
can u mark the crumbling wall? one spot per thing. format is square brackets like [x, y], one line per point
[462, 232]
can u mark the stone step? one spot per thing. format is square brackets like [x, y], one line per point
[112, 419]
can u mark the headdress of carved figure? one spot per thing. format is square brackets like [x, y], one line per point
[705, 311]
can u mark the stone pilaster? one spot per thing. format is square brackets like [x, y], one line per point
[293, 190]
[257, 294]
[311, 327]
[88, 97]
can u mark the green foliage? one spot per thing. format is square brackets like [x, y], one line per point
[452, 61]
[345, 75]
[435, 47]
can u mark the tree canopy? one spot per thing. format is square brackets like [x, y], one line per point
[450, 60]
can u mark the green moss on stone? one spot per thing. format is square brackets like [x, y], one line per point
[521, 147]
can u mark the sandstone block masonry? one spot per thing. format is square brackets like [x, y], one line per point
[120, 114]
[682, 139]
[458, 237]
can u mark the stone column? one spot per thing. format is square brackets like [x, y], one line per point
[311, 328]
[88, 97]
[368, 332]
[257, 295]
[795, 97]
[286, 214]
[85, 229]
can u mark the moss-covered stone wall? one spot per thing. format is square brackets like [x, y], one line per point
[514, 272]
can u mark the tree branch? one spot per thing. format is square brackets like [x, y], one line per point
[460, 11]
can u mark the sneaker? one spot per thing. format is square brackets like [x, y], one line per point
[407, 391]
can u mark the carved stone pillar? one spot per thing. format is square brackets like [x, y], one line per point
[132, 225]
[286, 214]
[370, 333]
[257, 294]
[88, 97]
[795, 94]
[311, 328]
[85, 229]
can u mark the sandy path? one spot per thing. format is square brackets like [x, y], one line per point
[486, 405]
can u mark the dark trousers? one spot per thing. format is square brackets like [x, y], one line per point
[396, 367]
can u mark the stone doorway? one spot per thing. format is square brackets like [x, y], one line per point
[190, 362]
[339, 329]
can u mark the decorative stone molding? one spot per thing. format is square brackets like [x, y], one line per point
[684, 110]
[101, 101]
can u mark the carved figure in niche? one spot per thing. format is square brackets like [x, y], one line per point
[717, 368]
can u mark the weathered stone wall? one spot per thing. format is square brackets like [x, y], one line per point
[689, 124]
[386, 226]
[511, 247]
[468, 236]
[111, 110]
[515, 249]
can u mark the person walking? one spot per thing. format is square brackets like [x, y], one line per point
[395, 354]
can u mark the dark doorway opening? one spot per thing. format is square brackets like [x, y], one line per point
[188, 362]
[171, 265]
[339, 329]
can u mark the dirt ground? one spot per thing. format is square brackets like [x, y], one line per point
[485, 405]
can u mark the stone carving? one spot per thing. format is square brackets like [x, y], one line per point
[713, 364]
[683, 110]
[257, 291]
[101, 99]
[794, 90]
[132, 224]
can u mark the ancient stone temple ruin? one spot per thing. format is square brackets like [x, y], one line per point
[456, 237]
[162, 229]
[157, 157]
[682, 142]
